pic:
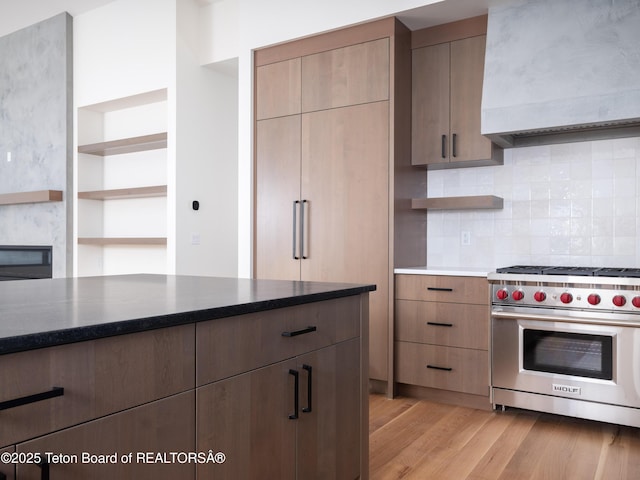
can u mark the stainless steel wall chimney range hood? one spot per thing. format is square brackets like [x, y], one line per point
[561, 71]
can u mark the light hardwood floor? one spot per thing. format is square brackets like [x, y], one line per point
[416, 439]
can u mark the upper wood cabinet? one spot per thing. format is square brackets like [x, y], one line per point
[278, 89]
[346, 76]
[333, 174]
[447, 92]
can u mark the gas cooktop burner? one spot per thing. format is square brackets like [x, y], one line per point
[581, 271]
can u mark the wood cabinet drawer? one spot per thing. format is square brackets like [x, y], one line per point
[440, 288]
[449, 368]
[98, 377]
[439, 323]
[259, 339]
[163, 427]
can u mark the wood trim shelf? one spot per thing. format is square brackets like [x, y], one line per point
[121, 193]
[122, 240]
[126, 145]
[458, 203]
[38, 196]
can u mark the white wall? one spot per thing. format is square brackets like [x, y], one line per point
[206, 158]
[124, 48]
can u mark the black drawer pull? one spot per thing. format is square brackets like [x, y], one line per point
[454, 151]
[299, 332]
[296, 396]
[3, 476]
[45, 470]
[439, 289]
[17, 402]
[438, 324]
[309, 370]
[434, 367]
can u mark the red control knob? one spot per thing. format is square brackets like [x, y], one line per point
[566, 297]
[593, 299]
[636, 302]
[518, 295]
[540, 296]
[619, 300]
[502, 294]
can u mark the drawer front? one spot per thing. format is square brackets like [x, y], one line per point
[448, 324]
[438, 288]
[448, 368]
[98, 377]
[164, 427]
[233, 345]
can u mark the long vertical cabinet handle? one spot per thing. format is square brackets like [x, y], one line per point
[44, 475]
[309, 370]
[295, 214]
[454, 152]
[302, 207]
[444, 146]
[296, 396]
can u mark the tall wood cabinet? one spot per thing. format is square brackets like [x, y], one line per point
[333, 177]
[447, 76]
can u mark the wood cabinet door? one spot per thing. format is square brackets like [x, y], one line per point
[328, 435]
[277, 174]
[345, 182]
[247, 418]
[158, 428]
[467, 67]
[7, 469]
[430, 139]
[346, 76]
[278, 89]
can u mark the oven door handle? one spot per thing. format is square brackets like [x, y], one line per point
[561, 318]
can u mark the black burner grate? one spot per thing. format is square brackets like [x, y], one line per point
[576, 271]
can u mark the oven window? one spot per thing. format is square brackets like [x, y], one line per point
[568, 353]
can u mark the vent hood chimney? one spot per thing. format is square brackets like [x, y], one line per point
[561, 71]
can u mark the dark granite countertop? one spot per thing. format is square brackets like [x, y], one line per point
[42, 313]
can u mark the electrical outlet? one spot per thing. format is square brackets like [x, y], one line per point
[195, 239]
[465, 237]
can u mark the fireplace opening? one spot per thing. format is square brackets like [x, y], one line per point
[22, 262]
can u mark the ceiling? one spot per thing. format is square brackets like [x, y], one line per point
[15, 14]
[444, 11]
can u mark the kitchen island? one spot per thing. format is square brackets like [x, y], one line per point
[154, 376]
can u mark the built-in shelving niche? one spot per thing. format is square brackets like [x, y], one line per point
[122, 213]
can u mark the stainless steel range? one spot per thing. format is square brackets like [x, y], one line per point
[566, 340]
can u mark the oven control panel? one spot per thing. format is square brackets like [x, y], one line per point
[566, 297]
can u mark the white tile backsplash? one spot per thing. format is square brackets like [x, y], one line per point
[568, 204]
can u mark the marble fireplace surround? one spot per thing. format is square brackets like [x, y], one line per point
[36, 95]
